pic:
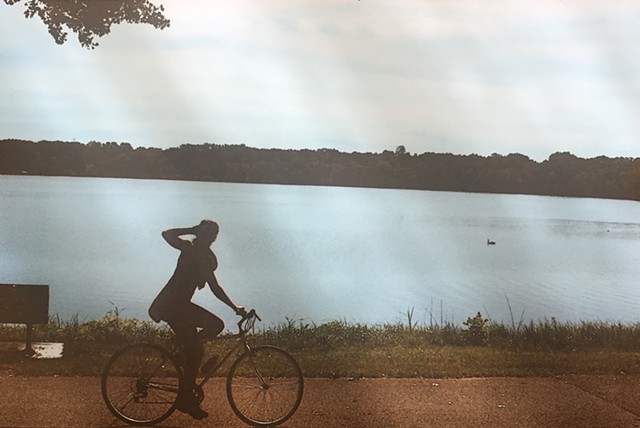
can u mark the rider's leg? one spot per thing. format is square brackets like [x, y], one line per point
[210, 324]
[186, 334]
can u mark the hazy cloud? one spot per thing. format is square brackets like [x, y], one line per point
[533, 77]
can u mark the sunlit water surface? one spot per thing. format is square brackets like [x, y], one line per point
[325, 253]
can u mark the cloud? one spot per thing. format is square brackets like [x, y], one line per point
[461, 76]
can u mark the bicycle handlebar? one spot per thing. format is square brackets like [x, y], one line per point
[245, 323]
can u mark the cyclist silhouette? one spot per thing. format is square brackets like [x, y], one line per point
[191, 323]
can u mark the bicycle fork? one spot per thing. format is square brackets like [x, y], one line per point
[263, 383]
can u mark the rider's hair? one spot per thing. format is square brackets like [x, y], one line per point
[208, 226]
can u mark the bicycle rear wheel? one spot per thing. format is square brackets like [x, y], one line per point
[265, 386]
[140, 384]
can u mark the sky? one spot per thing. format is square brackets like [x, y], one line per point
[448, 76]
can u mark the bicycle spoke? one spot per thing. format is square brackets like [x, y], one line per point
[140, 384]
[265, 386]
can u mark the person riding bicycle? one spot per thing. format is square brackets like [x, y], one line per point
[191, 323]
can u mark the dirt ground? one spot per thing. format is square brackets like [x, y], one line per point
[572, 401]
[566, 401]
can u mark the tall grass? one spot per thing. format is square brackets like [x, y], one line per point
[87, 344]
[477, 347]
[545, 335]
[111, 329]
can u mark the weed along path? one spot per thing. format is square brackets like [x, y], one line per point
[568, 401]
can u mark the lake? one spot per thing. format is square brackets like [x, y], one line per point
[325, 253]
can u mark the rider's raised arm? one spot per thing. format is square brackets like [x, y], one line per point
[173, 237]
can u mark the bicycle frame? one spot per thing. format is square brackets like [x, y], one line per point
[240, 344]
[244, 325]
[254, 379]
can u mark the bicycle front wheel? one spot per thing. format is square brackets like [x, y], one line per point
[265, 386]
[140, 384]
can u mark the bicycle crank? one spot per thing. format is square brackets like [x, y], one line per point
[198, 393]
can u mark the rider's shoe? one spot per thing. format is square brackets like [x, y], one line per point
[196, 412]
[208, 365]
[191, 407]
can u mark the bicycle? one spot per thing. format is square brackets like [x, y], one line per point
[264, 383]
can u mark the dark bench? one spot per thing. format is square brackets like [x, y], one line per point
[24, 304]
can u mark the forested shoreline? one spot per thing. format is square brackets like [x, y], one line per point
[562, 174]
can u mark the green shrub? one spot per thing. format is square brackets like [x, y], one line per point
[476, 332]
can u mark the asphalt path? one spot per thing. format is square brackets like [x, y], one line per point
[568, 401]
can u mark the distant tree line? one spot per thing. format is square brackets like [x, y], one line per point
[562, 174]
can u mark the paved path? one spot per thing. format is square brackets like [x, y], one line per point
[573, 401]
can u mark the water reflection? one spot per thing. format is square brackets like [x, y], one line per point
[363, 255]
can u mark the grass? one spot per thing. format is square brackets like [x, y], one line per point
[340, 349]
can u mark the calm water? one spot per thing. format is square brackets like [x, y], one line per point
[321, 253]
